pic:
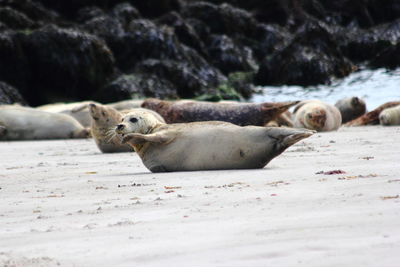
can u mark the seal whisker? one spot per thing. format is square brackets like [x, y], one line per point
[110, 134]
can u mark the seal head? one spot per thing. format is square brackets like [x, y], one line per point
[104, 120]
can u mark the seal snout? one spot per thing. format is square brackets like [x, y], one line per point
[296, 137]
[120, 127]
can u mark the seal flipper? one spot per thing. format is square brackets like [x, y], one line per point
[82, 133]
[273, 110]
[138, 139]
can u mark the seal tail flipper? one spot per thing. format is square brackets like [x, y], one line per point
[278, 107]
[273, 110]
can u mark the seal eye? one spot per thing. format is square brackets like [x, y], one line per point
[133, 120]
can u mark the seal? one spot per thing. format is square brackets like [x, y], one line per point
[211, 145]
[390, 116]
[104, 120]
[78, 110]
[22, 123]
[351, 108]
[126, 104]
[237, 113]
[317, 115]
[372, 117]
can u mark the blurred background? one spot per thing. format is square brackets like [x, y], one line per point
[253, 50]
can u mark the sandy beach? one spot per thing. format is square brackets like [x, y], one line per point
[63, 203]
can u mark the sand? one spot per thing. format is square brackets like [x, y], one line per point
[63, 203]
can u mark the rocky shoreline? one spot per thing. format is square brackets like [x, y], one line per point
[107, 51]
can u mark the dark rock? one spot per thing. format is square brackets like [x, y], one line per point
[104, 26]
[66, 64]
[3, 27]
[184, 31]
[34, 10]
[109, 29]
[144, 40]
[10, 95]
[141, 40]
[311, 58]
[222, 19]
[201, 29]
[363, 13]
[270, 38]
[14, 67]
[87, 13]
[363, 45]
[129, 86]
[156, 8]
[270, 11]
[387, 58]
[151, 41]
[125, 13]
[69, 8]
[228, 56]
[190, 79]
[15, 19]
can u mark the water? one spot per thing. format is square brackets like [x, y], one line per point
[374, 86]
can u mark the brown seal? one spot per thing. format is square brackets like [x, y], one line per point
[237, 113]
[317, 115]
[372, 117]
[210, 145]
[351, 108]
[104, 120]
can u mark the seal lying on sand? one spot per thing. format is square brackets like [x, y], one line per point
[351, 108]
[78, 110]
[126, 104]
[317, 115]
[372, 117]
[390, 116]
[104, 121]
[211, 145]
[21, 123]
[237, 113]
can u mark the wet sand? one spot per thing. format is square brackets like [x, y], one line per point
[63, 203]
